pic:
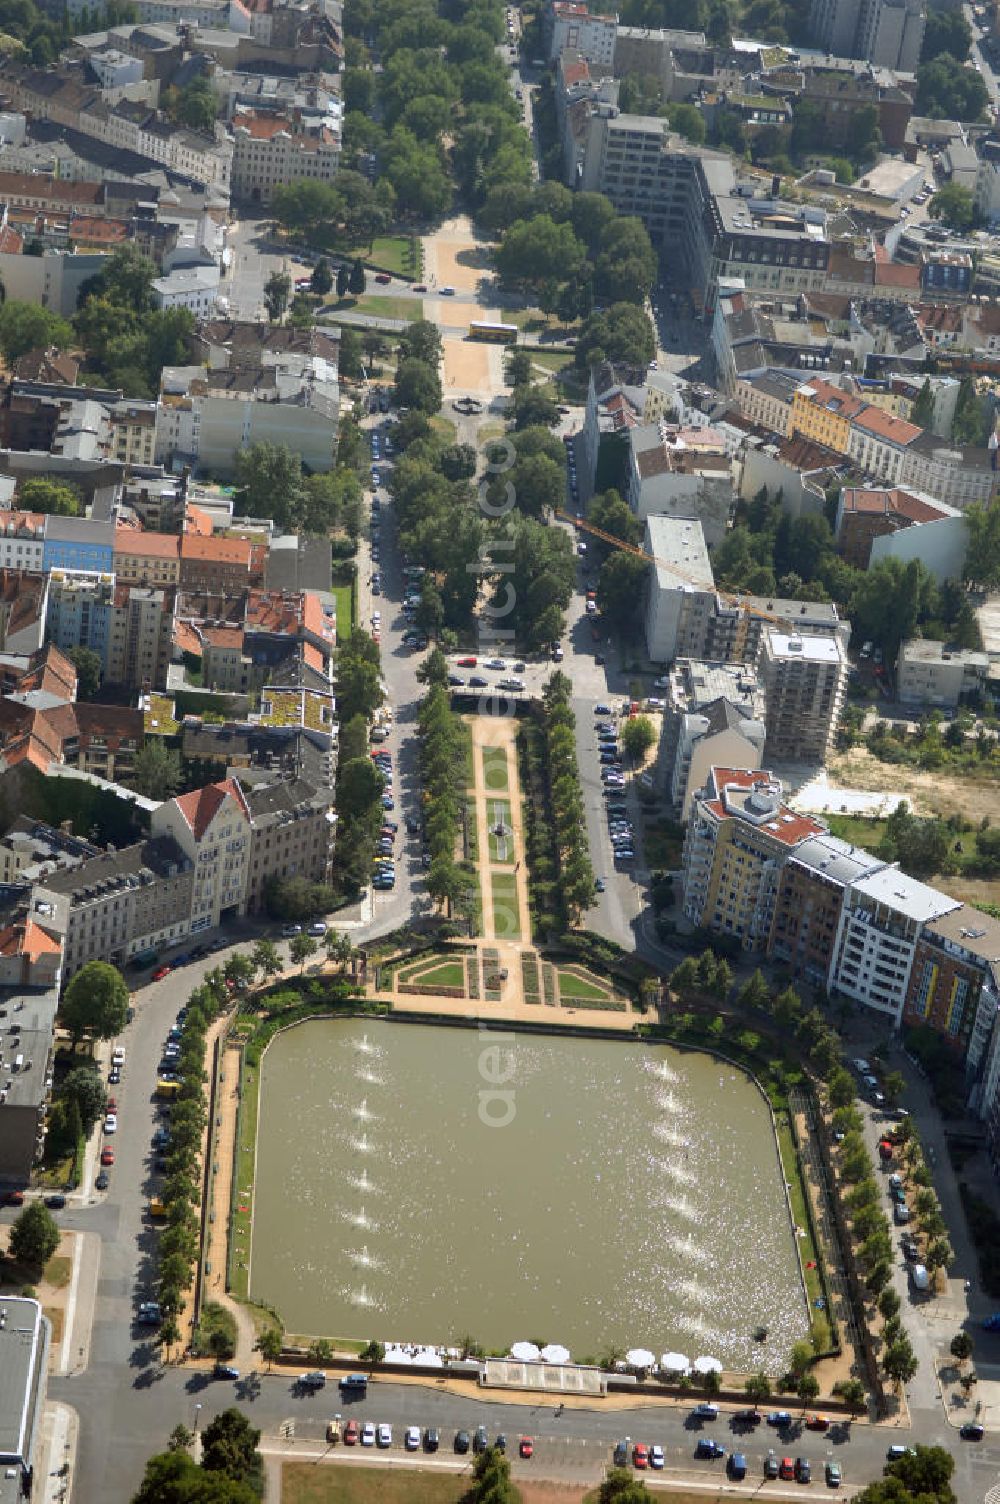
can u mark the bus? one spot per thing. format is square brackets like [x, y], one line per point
[498, 334]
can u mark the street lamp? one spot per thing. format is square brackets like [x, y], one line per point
[197, 1412]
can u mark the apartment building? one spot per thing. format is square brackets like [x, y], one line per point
[212, 828]
[682, 592]
[738, 837]
[955, 475]
[804, 680]
[765, 400]
[933, 675]
[133, 431]
[217, 564]
[141, 558]
[878, 443]
[292, 828]
[205, 418]
[25, 1065]
[714, 717]
[824, 413]
[78, 543]
[273, 149]
[110, 906]
[810, 900]
[22, 540]
[881, 922]
[886, 33]
[30, 849]
[866, 515]
[679, 470]
[571, 26]
[954, 985]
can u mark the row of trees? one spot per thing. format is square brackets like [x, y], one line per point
[820, 1045]
[418, 382]
[181, 1193]
[565, 798]
[445, 747]
[360, 784]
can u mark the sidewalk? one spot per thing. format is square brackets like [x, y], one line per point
[55, 1457]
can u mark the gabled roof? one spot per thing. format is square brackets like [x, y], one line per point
[200, 807]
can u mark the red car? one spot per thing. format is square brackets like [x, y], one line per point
[161, 972]
[467, 662]
[111, 1105]
[787, 1468]
[107, 1156]
[640, 1456]
[382, 277]
[420, 287]
[351, 1433]
[527, 1447]
[14, 1198]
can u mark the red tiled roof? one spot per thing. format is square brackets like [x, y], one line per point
[140, 544]
[186, 638]
[882, 502]
[885, 426]
[215, 550]
[200, 807]
[26, 938]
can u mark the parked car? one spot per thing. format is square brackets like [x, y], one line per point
[55, 1202]
[640, 1456]
[707, 1447]
[527, 1447]
[432, 1439]
[462, 1442]
[834, 1477]
[972, 1431]
[225, 1371]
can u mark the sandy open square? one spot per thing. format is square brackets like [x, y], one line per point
[470, 367]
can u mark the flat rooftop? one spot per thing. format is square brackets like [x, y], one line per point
[35, 1014]
[23, 1344]
[680, 556]
[808, 649]
[906, 895]
[836, 859]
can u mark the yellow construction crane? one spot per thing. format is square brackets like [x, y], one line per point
[641, 553]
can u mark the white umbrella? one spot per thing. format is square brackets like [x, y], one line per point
[675, 1362]
[430, 1358]
[525, 1352]
[640, 1357]
[707, 1365]
[555, 1354]
[397, 1355]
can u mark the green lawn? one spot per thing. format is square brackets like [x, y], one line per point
[344, 619]
[534, 321]
[305, 1483]
[552, 360]
[506, 924]
[444, 428]
[800, 1215]
[570, 985]
[391, 253]
[448, 974]
[378, 306]
[857, 830]
[495, 775]
[499, 809]
[57, 1271]
[241, 1223]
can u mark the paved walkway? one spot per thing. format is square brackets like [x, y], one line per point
[492, 736]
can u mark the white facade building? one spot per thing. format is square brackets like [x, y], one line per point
[879, 927]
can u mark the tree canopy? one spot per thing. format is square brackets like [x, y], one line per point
[946, 90]
[95, 1002]
[29, 326]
